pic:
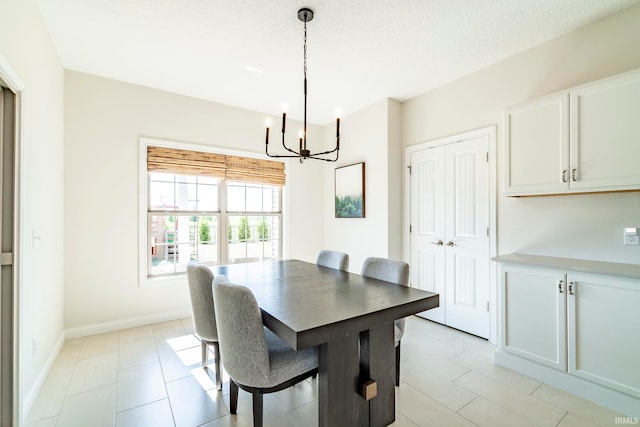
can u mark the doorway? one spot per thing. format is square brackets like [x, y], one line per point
[452, 228]
[8, 359]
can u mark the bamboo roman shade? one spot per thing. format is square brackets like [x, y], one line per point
[233, 168]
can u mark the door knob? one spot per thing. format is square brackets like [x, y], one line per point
[450, 244]
[438, 243]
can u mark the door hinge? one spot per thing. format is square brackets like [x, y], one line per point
[487, 305]
[409, 167]
[410, 228]
[487, 157]
[6, 258]
[487, 231]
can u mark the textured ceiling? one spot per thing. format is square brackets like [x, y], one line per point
[249, 53]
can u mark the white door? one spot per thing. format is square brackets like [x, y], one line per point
[467, 236]
[449, 231]
[427, 226]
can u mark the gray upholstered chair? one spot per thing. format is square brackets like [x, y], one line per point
[394, 272]
[200, 280]
[254, 357]
[333, 259]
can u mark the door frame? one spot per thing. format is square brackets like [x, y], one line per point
[490, 132]
[10, 79]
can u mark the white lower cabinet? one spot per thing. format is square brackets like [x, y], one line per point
[586, 325]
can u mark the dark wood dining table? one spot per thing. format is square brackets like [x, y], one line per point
[349, 318]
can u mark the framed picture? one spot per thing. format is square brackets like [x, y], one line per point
[349, 182]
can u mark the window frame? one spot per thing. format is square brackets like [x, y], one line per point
[223, 244]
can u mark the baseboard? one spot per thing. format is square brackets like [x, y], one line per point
[620, 402]
[116, 325]
[32, 394]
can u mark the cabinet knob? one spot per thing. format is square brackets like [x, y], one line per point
[571, 287]
[450, 244]
[438, 243]
[573, 175]
[560, 283]
[564, 175]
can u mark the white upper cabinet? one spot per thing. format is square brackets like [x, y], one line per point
[537, 147]
[586, 139]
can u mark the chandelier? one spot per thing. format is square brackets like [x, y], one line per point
[305, 15]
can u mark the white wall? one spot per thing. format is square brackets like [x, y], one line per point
[371, 135]
[26, 48]
[103, 122]
[577, 226]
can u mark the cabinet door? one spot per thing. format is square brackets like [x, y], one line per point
[534, 314]
[537, 147]
[605, 134]
[604, 330]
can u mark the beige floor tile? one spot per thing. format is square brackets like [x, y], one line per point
[487, 367]
[439, 364]
[99, 345]
[438, 388]
[225, 421]
[571, 420]
[95, 408]
[424, 411]
[94, 373]
[296, 396]
[192, 356]
[402, 421]
[67, 357]
[305, 416]
[517, 402]
[583, 408]
[133, 334]
[168, 330]
[140, 385]
[434, 347]
[139, 352]
[187, 324]
[183, 342]
[192, 405]
[50, 399]
[155, 414]
[173, 367]
[421, 328]
[475, 345]
[485, 413]
[273, 416]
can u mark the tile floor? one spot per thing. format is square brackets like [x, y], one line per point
[151, 376]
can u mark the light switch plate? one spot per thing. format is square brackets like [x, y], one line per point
[631, 236]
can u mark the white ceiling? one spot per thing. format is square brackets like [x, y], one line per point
[359, 51]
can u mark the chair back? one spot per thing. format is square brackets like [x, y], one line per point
[391, 271]
[333, 259]
[240, 331]
[200, 280]
[385, 269]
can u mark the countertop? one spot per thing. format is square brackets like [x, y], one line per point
[631, 271]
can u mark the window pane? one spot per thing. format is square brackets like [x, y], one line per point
[270, 199]
[161, 191]
[235, 197]
[207, 197]
[185, 195]
[253, 238]
[254, 198]
[178, 239]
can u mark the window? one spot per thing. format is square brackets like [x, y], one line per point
[212, 208]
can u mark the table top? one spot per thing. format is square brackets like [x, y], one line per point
[306, 304]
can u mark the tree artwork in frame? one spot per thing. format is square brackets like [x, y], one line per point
[349, 186]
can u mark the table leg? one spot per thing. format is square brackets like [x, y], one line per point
[377, 362]
[339, 403]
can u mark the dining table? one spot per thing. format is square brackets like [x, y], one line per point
[349, 318]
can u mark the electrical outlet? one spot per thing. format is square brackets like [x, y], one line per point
[631, 236]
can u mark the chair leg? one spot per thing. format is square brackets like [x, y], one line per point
[257, 410]
[233, 397]
[398, 365]
[205, 355]
[216, 355]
